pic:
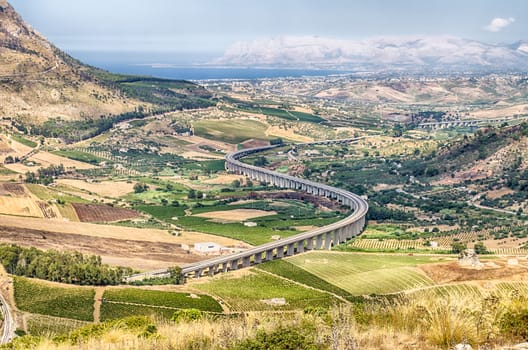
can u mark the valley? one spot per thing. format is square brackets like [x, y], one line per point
[374, 209]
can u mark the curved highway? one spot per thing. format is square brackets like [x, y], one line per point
[323, 237]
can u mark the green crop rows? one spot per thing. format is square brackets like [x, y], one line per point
[39, 298]
[161, 298]
[361, 274]
[247, 293]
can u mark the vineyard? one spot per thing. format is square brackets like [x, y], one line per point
[249, 293]
[45, 299]
[364, 274]
[162, 299]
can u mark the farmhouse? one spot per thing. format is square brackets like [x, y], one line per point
[207, 248]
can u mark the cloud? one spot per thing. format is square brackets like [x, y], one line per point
[497, 24]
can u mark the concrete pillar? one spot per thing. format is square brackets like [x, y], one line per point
[246, 261]
[269, 255]
[319, 242]
[328, 240]
[198, 273]
[234, 264]
[300, 246]
[309, 244]
[280, 252]
[257, 258]
[291, 249]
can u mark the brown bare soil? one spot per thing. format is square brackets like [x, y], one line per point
[12, 188]
[113, 232]
[236, 214]
[132, 253]
[225, 179]
[102, 213]
[453, 272]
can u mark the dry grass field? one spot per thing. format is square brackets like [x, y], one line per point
[113, 189]
[46, 159]
[236, 214]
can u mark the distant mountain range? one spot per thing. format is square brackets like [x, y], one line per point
[392, 53]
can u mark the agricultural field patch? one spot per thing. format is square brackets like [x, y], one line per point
[174, 300]
[50, 299]
[290, 271]
[236, 214]
[249, 293]
[113, 311]
[102, 213]
[363, 274]
[21, 206]
[231, 131]
[42, 325]
[112, 189]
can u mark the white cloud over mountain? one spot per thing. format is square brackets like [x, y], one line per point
[380, 53]
[497, 24]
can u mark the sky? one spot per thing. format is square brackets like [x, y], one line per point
[207, 27]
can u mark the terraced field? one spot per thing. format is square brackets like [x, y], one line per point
[53, 299]
[249, 293]
[362, 274]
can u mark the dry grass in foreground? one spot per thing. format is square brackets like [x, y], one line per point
[424, 323]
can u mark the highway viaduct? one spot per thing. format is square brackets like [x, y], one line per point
[320, 238]
[466, 123]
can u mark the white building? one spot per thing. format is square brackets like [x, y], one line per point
[207, 248]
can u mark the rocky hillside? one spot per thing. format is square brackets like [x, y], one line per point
[39, 82]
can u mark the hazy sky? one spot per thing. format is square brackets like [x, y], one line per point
[209, 26]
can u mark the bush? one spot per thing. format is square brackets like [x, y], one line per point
[187, 315]
[284, 338]
[514, 322]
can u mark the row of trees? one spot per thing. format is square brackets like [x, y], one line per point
[45, 175]
[64, 267]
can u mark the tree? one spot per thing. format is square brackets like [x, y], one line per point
[140, 187]
[480, 248]
[458, 247]
[175, 274]
[235, 183]
[191, 194]
[249, 183]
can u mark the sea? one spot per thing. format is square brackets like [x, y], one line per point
[213, 73]
[162, 66]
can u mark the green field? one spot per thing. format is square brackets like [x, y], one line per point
[161, 298]
[281, 224]
[246, 293]
[285, 114]
[47, 194]
[42, 325]
[363, 274]
[111, 311]
[41, 298]
[80, 156]
[293, 272]
[231, 131]
[23, 140]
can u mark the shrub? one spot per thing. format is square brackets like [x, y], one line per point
[284, 338]
[514, 322]
[187, 315]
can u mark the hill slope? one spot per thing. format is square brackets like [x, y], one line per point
[39, 82]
